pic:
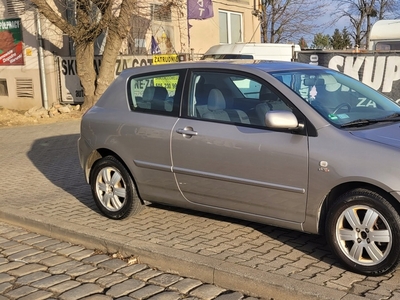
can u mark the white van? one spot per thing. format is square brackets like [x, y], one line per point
[385, 35]
[258, 51]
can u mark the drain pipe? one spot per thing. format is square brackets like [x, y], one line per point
[41, 60]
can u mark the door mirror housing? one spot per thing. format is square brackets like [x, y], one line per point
[281, 119]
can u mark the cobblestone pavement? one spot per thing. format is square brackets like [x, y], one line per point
[44, 191]
[34, 266]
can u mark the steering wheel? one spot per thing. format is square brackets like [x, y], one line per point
[341, 105]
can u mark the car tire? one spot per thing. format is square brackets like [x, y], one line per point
[362, 229]
[113, 189]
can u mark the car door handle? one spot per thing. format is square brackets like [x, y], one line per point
[187, 131]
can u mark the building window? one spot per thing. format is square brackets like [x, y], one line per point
[160, 12]
[3, 87]
[230, 27]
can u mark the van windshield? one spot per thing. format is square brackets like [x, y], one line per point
[226, 56]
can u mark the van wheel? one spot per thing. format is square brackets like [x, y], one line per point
[113, 189]
[363, 231]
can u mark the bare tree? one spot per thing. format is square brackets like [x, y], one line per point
[362, 13]
[92, 17]
[289, 20]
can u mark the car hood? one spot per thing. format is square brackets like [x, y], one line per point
[388, 135]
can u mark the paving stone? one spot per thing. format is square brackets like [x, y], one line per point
[207, 291]
[83, 269]
[93, 276]
[111, 280]
[147, 274]
[59, 246]
[97, 297]
[23, 254]
[186, 285]
[47, 243]
[55, 260]
[35, 240]
[6, 277]
[70, 250]
[3, 260]
[38, 257]
[4, 287]
[20, 292]
[146, 292]
[39, 295]
[165, 279]
[10, 266]
[113, 264]
[50, 281]
[64, 286]
[166, 296]
[62, 268]
[28, 279]
[133, 269]
[96, 259]
[230, 296]
[81, 254]
[13, 250]
[124, 288]
[26, 236]
[81, 291]
[27, 269]
[9, 244]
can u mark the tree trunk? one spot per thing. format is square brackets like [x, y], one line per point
[86, 73]
[110, 54]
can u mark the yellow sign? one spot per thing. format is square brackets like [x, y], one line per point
[165, 59]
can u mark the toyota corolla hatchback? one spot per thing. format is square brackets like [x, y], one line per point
[286, 144]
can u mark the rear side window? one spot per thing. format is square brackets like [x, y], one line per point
[155, 93]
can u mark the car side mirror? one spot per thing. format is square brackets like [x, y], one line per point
[281, 119]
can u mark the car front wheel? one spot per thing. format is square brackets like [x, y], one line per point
[113, 189]
[362, 229]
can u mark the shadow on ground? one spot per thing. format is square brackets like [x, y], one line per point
[57, 159]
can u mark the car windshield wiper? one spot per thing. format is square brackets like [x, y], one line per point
[364, 122]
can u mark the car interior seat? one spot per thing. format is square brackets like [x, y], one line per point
[155, 97]
[201, 94]
[268, 101]
[218, 111]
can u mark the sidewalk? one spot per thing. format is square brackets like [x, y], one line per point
[44, 191]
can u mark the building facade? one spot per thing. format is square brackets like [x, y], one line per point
[37, 59]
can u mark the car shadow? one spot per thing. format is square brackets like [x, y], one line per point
[57, 159]
[312, 245]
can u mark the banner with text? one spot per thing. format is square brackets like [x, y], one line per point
[379, 70]
[70, 85]
[11, 42]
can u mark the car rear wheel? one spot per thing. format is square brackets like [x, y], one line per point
[113, 189]
[362, 229]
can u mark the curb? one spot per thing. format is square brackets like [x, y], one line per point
[214, 271]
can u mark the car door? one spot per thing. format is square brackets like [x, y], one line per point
[237, 164]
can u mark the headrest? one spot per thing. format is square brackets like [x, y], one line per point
[155, 93]
[216, 100]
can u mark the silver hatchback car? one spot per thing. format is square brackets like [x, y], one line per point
[286, 144]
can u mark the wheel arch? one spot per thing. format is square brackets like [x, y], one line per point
[333, 196]
[103, 152]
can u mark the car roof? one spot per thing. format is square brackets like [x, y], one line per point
[239, 64]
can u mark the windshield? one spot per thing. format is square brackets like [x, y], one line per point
[340, 99]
